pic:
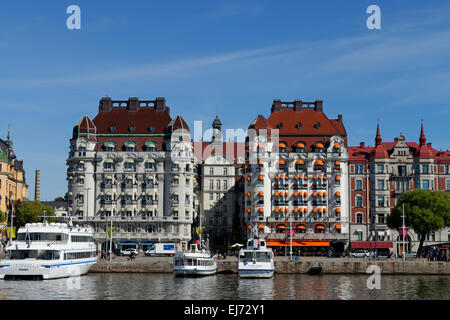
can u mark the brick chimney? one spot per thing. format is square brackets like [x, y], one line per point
[133, 104]
[362, 145]
[276, 105]
[37, 186]
[105, 104]
[298, 105]
[160, 103]
[318, 105]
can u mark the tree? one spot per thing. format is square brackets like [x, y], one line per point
[32, 211]
[59, 199]
[2, 217]
[426, 211]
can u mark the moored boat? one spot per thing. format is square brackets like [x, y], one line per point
[194, 262]
[256, 260]
[49, 251]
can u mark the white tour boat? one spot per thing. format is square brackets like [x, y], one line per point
[49, 251]
[256, 260]
[195, 262]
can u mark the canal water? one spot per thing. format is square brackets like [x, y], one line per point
[121, 286]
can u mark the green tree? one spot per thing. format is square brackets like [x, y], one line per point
[426, 211]
[2, 217]
[33, 211]
[59, 199]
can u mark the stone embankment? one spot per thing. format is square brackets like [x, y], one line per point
[284, 266]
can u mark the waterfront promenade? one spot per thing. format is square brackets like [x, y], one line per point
[301, 265]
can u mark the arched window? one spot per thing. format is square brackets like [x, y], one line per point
[300, 147]
[359, 217]
[130, 146]
[150, 146]
[282, 147]
[319, 147]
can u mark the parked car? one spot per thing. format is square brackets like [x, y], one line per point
[128, 252]
[359, 254]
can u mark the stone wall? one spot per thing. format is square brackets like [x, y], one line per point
[419, 267]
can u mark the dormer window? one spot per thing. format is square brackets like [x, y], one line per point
[299, 147]
[151, 129]
[280, 125]
[298, 125]
[112, 128]
[317, 125]
[319, 147]
[131, 128]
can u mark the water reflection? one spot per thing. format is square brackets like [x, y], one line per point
[228, 287]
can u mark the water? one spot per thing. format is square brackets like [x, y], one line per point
[116, 286]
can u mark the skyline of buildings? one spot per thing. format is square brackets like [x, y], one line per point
[294, 173]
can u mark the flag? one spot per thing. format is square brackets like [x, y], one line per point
[70, 223]
[309, 219]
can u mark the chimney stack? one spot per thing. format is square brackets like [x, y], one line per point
[361, 144]
[37, 188]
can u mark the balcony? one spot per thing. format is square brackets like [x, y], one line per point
[109, 169]
[129, 202]
[107, 202]
[149, 202]
[128, 186]
[108, 186]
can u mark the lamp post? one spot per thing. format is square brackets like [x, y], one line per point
[403, 232]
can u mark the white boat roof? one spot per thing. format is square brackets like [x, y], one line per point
[53, 227]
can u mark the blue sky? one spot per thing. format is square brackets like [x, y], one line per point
[230, 58]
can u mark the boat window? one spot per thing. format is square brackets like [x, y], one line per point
[263, 256]
[34, 254]
[248, 256]
[78, 255]
[41, 236]
[82, 239]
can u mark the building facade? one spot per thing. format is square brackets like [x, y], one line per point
[217, 166]
[296, 177]
[379, 175]
[132, 167]
[13, 186]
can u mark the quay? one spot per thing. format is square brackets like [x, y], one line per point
[283, 266]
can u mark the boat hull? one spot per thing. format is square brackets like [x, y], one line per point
[43, 270]
[255, 273]
[194, 271]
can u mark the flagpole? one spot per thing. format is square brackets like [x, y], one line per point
[403, 232]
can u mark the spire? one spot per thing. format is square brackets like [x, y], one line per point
[422, 139]
[378, 136]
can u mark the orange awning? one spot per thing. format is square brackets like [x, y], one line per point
[282, 145]
[337, 163]
[295, 194]
[299, 162]
[338, 194]
[314, 178]
[261, 178]
[324, 178]
[287, 194]
[319, 163]
[281, 162]
[295, 210]
[305, 194]
[324, 194]
[248, 178]
[338, 226]
[305, 210]
[314, 194]
[298, 244]
[314, 210]
[320, 194]
[319, 145]
[320, 227]
[276, 178]
[249, 226]
[276, 210]
[276, 194]
[295, 177]
[249, 210]
[260, 162]
[320, 210]
[281, 226]
[336, 146]
[261, 209]
[338, 210]
[260, 145]
[248, 194]
[300, 226]
[305, 177]
[325, 209]
[260, 193]
[282, 209]
[300, 145]
[338, 178]
[261, 226]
